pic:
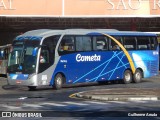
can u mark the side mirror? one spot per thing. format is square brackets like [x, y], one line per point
[35, 51]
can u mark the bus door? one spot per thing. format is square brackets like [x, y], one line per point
[47, 58]
[47, 53]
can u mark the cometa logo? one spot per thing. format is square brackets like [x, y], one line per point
[80, 58]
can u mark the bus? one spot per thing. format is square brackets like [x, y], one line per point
[4, 52]
[58, 57]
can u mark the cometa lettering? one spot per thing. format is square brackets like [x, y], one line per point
[80, 58]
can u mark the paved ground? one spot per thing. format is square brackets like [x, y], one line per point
[123, 94]
[109, 99]
[3, 82]
[116, 94]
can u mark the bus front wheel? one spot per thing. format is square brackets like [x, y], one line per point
[58, 81]
[137, 77]
[127, 77]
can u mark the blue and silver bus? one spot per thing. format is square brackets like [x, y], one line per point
[58, 57]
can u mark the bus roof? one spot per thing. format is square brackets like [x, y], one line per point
[48, 32]
[5, 46]
[154, 32]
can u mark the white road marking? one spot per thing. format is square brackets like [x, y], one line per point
[74, 103]
[10, 107]
[54, 104]
[31, 105]
[96, 102]
[119, 102]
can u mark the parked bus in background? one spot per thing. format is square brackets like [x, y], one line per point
[57, 57]
[158, 37]
[4, 52]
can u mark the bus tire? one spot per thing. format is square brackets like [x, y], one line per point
[137, 77]
[127, 78]
[58, 81]
[32, 88]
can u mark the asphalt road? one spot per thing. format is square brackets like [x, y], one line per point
[47, 99]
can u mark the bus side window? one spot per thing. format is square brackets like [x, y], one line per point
[130, 43]
[44, 60]
[143, 43]
[1, 54]
[100, 43]
[153, 43]
[67, 45]
[83, 43]
[44, 56]
[4, 53]
[113, 45]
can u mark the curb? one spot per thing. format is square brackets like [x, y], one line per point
[120, 98]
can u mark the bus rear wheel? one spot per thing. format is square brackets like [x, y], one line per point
[137, 77]
[58, 81]
[127, 78]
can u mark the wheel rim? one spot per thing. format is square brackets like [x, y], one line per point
[59, 81]
[138, 76]
[127, 77]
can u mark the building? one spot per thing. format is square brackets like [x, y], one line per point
[18, 16]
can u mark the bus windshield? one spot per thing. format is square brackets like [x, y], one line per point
[21, 59]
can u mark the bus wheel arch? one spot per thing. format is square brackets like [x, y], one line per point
[59, 80]
[127, 76]
[138, 75]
